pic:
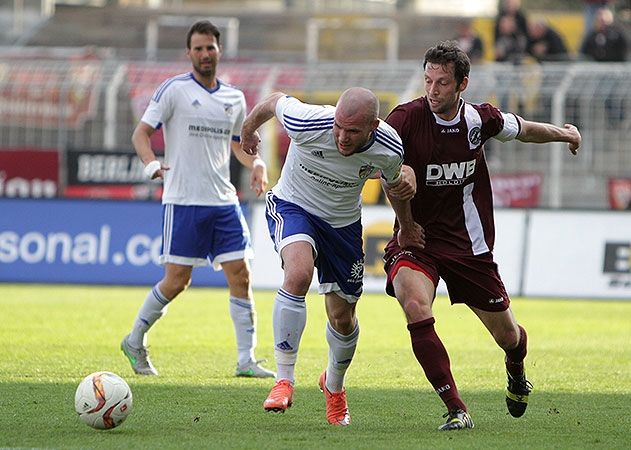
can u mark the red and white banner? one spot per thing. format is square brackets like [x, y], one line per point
[517, 190]
[29, 173]
[619, 193]
[45, 98]
[115, 192]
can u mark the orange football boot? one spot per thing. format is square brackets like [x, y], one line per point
[280, 397]
[336, 406]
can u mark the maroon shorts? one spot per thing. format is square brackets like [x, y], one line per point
[472, 280]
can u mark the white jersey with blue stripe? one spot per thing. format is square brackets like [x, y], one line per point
[317, 177]
[199, 126]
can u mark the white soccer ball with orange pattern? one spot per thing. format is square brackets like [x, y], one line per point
[103, 400]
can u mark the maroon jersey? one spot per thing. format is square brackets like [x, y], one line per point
[453, 202]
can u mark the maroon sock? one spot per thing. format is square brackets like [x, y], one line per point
[432, 356]
[515, 357]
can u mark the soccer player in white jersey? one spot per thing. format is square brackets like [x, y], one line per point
[314, 219]
[202, 219]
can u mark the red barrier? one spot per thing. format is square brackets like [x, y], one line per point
[517, 190]
[619, 193]
[29, 173]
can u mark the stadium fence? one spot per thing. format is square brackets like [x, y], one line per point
[83, 102]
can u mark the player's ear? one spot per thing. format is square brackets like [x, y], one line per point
[374, 125]
[463, 84]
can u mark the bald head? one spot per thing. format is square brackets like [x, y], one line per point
[358, 102]
[356, 117]
[604, 18]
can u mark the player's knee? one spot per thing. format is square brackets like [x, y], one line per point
[240, 278]
[415, 308]
[173, 286]
[297, 280]
[342, 321]
[508, 339]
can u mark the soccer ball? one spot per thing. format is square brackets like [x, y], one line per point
[103, 400]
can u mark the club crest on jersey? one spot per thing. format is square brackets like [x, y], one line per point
[475, 136]
[366, 170]
[228, 109]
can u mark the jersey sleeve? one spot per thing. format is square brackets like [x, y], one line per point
[391, 173]
[160, 107]
[511, 128]
[302, 121]
[497, 124]
[238, 123]
[387, 136]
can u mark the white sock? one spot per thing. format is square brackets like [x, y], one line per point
[289, 320]
[341, 351]
[243, 317]
[154, 307]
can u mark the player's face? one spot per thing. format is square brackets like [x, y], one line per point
[443, 93]
[351, 133]
[204, 54]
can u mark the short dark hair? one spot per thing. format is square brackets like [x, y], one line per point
[202, 27]
[448, 52]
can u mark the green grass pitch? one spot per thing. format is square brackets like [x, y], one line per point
[579, 361]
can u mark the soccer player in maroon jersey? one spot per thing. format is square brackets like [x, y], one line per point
[447, 230]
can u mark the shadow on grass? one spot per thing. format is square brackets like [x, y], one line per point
[231, 416]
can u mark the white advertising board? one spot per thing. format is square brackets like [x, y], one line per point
[579, 254]
[266, 269]
[510, 233]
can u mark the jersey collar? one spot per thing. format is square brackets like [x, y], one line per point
[453, 121]
[210, 91]
[368, 144]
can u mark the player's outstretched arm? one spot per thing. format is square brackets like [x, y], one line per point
[261, 113]
[540, 132]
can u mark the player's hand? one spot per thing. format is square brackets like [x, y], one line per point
[155, 169]
[406, 188]
[411, 236]
[160, 173]
[575, 138]
[250, 142]
[258, 179]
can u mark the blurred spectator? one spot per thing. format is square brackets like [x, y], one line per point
[511, 8]
[607, 41]
[510, 43]
[589, 13]
[545, 43]
[469, 41]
